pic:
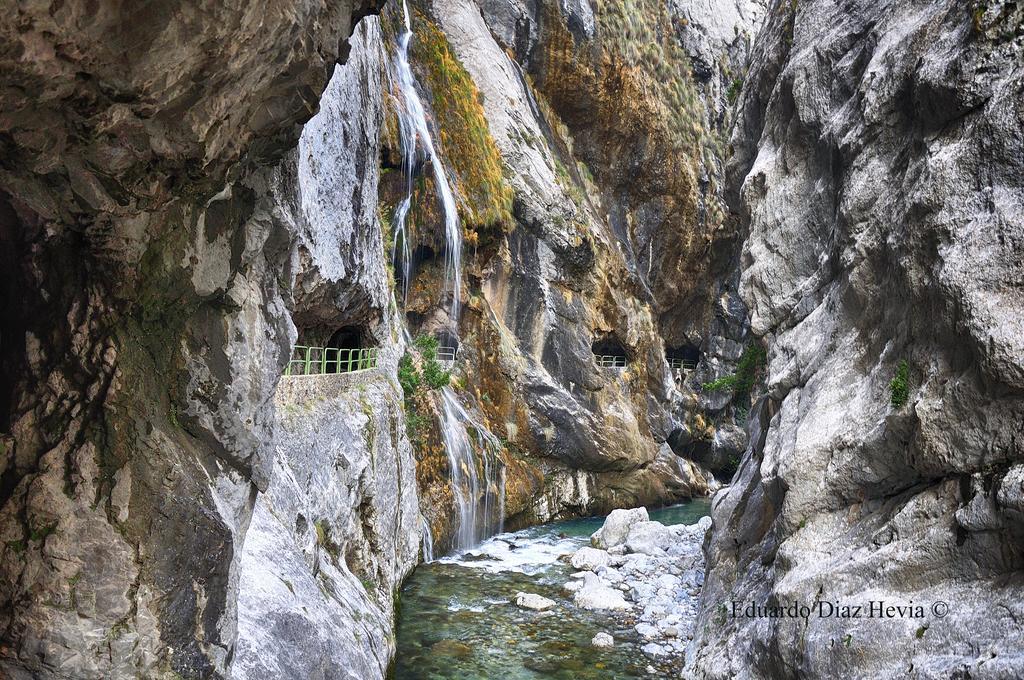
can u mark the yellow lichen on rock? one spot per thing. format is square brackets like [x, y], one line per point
[464, 136]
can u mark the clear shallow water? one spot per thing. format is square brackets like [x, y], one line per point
[457, 619]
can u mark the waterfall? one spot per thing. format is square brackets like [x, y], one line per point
[477, 472]
[413, 128]
[479, 493]
[428, 541]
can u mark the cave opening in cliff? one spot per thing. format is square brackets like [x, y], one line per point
[447, 345]
[609, 352]
[343, 350]
[683, 357]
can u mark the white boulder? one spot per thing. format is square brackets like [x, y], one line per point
[595, 595]
[603, 640]
[616, 527]
[650, 538]
[537, 603]
[590, 559]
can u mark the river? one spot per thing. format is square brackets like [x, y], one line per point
[457, 620]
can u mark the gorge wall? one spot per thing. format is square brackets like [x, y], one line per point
[173, 226]
[188, 191]
[878, 174]
[145, 322]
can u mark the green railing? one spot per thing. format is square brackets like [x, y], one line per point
[681, 364]
[610, 360]
[330, 360]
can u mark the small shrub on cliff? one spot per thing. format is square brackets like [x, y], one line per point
[899, 387]
[408, 375]
[435, 376]
[742, 381]
[734, 90]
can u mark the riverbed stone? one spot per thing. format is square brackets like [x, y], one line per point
[589, 558]
[599, 596]
[602, 640]
[649, 538]
[533, 601]
[616, 527]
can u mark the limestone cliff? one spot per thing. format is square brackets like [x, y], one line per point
[145, 322]
[878, 172]
[600, 227]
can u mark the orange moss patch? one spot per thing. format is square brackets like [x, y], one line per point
[465, 139]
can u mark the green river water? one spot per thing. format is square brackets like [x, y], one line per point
[457, 620]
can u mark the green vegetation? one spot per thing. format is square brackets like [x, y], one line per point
[734, 90]
[465, 138]
[899, 387]
[435, 376]
[408, 375]
[415, 423]
[412, 380]
[742, 381]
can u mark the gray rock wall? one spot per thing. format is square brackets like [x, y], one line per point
[144, 320]
[338, 529]
[878, 169]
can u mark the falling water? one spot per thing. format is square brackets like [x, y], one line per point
[479, 493]
[477, 472]
[413, 127]
[428, 541]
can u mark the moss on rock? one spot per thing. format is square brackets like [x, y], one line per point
[465, 138]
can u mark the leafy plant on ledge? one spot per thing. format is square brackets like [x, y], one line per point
[899, 386]
[412, 380]
[742, 380]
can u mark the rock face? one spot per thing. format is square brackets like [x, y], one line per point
[332, 538]
[339, 528]
[145, 319]
[878, 171]
[612, 241]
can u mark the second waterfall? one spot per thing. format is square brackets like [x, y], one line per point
[476, 470]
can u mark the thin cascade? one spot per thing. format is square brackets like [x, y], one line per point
[477, 471]
[479, 493]
[428, 541]
[413, 129]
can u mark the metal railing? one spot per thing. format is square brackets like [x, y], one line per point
[610, 360]
[446, 354]
[330, 360]
[681, 364]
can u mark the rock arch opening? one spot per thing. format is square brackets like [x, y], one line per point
[609, 352]
[447, 346]
[683, 357]
[347, 349]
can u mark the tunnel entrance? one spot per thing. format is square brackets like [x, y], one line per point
[609, 352]
[348, 349]
[447, 346]
[682, 358]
